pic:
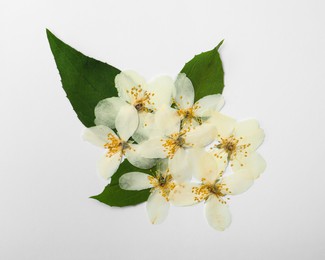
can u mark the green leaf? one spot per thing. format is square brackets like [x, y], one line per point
[85, 80]
[113, 195]
[206, 73]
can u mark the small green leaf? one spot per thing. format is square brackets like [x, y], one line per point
[206, 73]
[85, 80]
[113, 195]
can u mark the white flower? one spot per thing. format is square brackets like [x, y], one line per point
[140, 98]
[192, 113]
[117, 146]
[238, 142]
[176, 144]
[214, 189]
[161, 184]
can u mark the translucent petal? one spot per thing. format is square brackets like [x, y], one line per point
[97, 135]
[209, 104]
[225, 125]
[201, 135]
[167, 121]
[125, 81]
[152, 148]
[162, 88]
[107, 166]
[135, 181]
[250, 132]
[253, 163]
[182, 194]
[237, 183]
[206, 166]
[127, 122]
[137, 160]
[184, 91]
[217, 214]
[106, 111]
[180, 167]
[157, 207]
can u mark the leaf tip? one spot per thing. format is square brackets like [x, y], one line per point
[220, 43]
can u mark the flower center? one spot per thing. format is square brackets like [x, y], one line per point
[232, 147]
[163, 182]
[140, 98]
[174, 142]
[115, 145]
[206, 190]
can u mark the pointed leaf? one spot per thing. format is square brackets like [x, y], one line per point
[206, 73]
[85, 80]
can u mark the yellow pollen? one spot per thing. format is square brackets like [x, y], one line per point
[115, 145]
[174, 142]
[141, 98]
[232, 147]
[207, 189]
[163, 182]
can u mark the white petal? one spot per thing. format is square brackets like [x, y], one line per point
[106, 111]
[184, 91]
[206, 166]
[146, 128]
[157, 207]
[201, 135]
[107, 166]
[253, 163]
[250, 132]
[135, 181]
[179, 166]
[137, 160]
[167, 121]
[209, 104]
[125, 81]
[97, 135]
[162, 88]
[182, 194]
[217, 214]
[224, 124]
[127, 122]
[152, 148]
[237, 183]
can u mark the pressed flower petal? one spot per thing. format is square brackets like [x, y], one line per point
[224, 124]
[201, 135]
[167, 121]
[209, 104]
[125, 81]
[157, 207]
[217, 214]
[184, 91]
[135, 181]
[237, 183]
[182, 194]
[180, 167]
[135, 159]
[106, 111]
[250, 133]
[254, 164]
[127, 122]
[206, 166]
[147, 128]
[162, 88]
[152, 148]
[107, 166]
[97, 135]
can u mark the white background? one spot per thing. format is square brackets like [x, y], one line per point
[274, 60]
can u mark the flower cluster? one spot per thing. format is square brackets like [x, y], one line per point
[190, 144]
